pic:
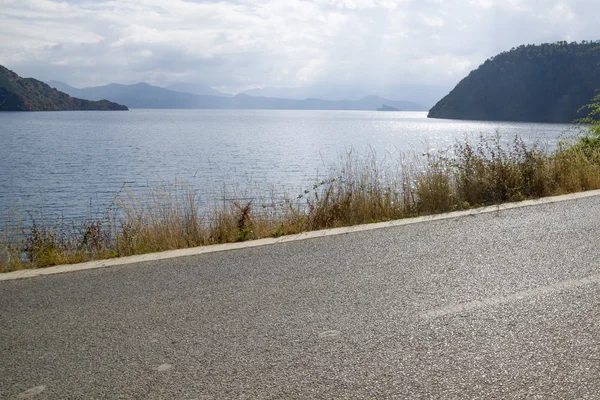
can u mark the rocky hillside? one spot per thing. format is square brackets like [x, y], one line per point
[28, 94]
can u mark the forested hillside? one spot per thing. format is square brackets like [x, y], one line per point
[28, 94]
[537, 83]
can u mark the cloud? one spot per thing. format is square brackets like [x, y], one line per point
[238, 44]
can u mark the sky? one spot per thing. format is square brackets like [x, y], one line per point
[233, 45]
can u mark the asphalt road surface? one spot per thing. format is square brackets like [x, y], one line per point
[498, 305]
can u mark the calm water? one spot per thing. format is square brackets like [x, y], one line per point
[62, 162]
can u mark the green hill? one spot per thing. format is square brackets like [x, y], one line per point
[536, 83]
[28, 94]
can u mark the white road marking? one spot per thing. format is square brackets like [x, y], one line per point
[30, 273]
[164, 367]
[510, 298]
[30, 393]
[329, 334]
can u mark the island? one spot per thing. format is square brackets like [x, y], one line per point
[28, 94]
[387, 108]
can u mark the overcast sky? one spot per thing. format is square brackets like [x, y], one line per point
[238, 44]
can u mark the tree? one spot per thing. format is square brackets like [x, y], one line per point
[591, 140]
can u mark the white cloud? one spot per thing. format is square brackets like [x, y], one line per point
[244, 43]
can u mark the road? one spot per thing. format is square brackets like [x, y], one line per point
[498, 305]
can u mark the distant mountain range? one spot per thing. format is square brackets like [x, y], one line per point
[28, 94]
[140, 95]
[426, 94]
[143, 95]
[299, 93]
[197, 89]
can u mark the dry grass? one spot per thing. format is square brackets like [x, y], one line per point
[360, 190]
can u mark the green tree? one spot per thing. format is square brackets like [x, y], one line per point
[591, 140]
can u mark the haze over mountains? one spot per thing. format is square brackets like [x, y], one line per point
[427, 95]
[196, 88]
[535, 83]
[143, 95]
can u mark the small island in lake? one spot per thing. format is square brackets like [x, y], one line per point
[28, 94]
[387, 108]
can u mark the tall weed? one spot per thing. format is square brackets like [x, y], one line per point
[360, 189]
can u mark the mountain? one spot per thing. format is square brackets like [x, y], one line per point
[63, 87]
[142, 95]
[325, 91]
[197, 89]
[139, 95]
[535, 83]
[427, 94]
[299, 93]
[244, 101]
[28, 94]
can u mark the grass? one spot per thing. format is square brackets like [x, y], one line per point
[359, 190]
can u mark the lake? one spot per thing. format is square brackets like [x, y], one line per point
[68, 163]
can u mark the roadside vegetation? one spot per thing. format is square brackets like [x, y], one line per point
[361, 189]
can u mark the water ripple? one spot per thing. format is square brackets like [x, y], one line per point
[68, 162]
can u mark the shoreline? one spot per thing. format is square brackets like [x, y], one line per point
[361, 189]
[171, 254]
